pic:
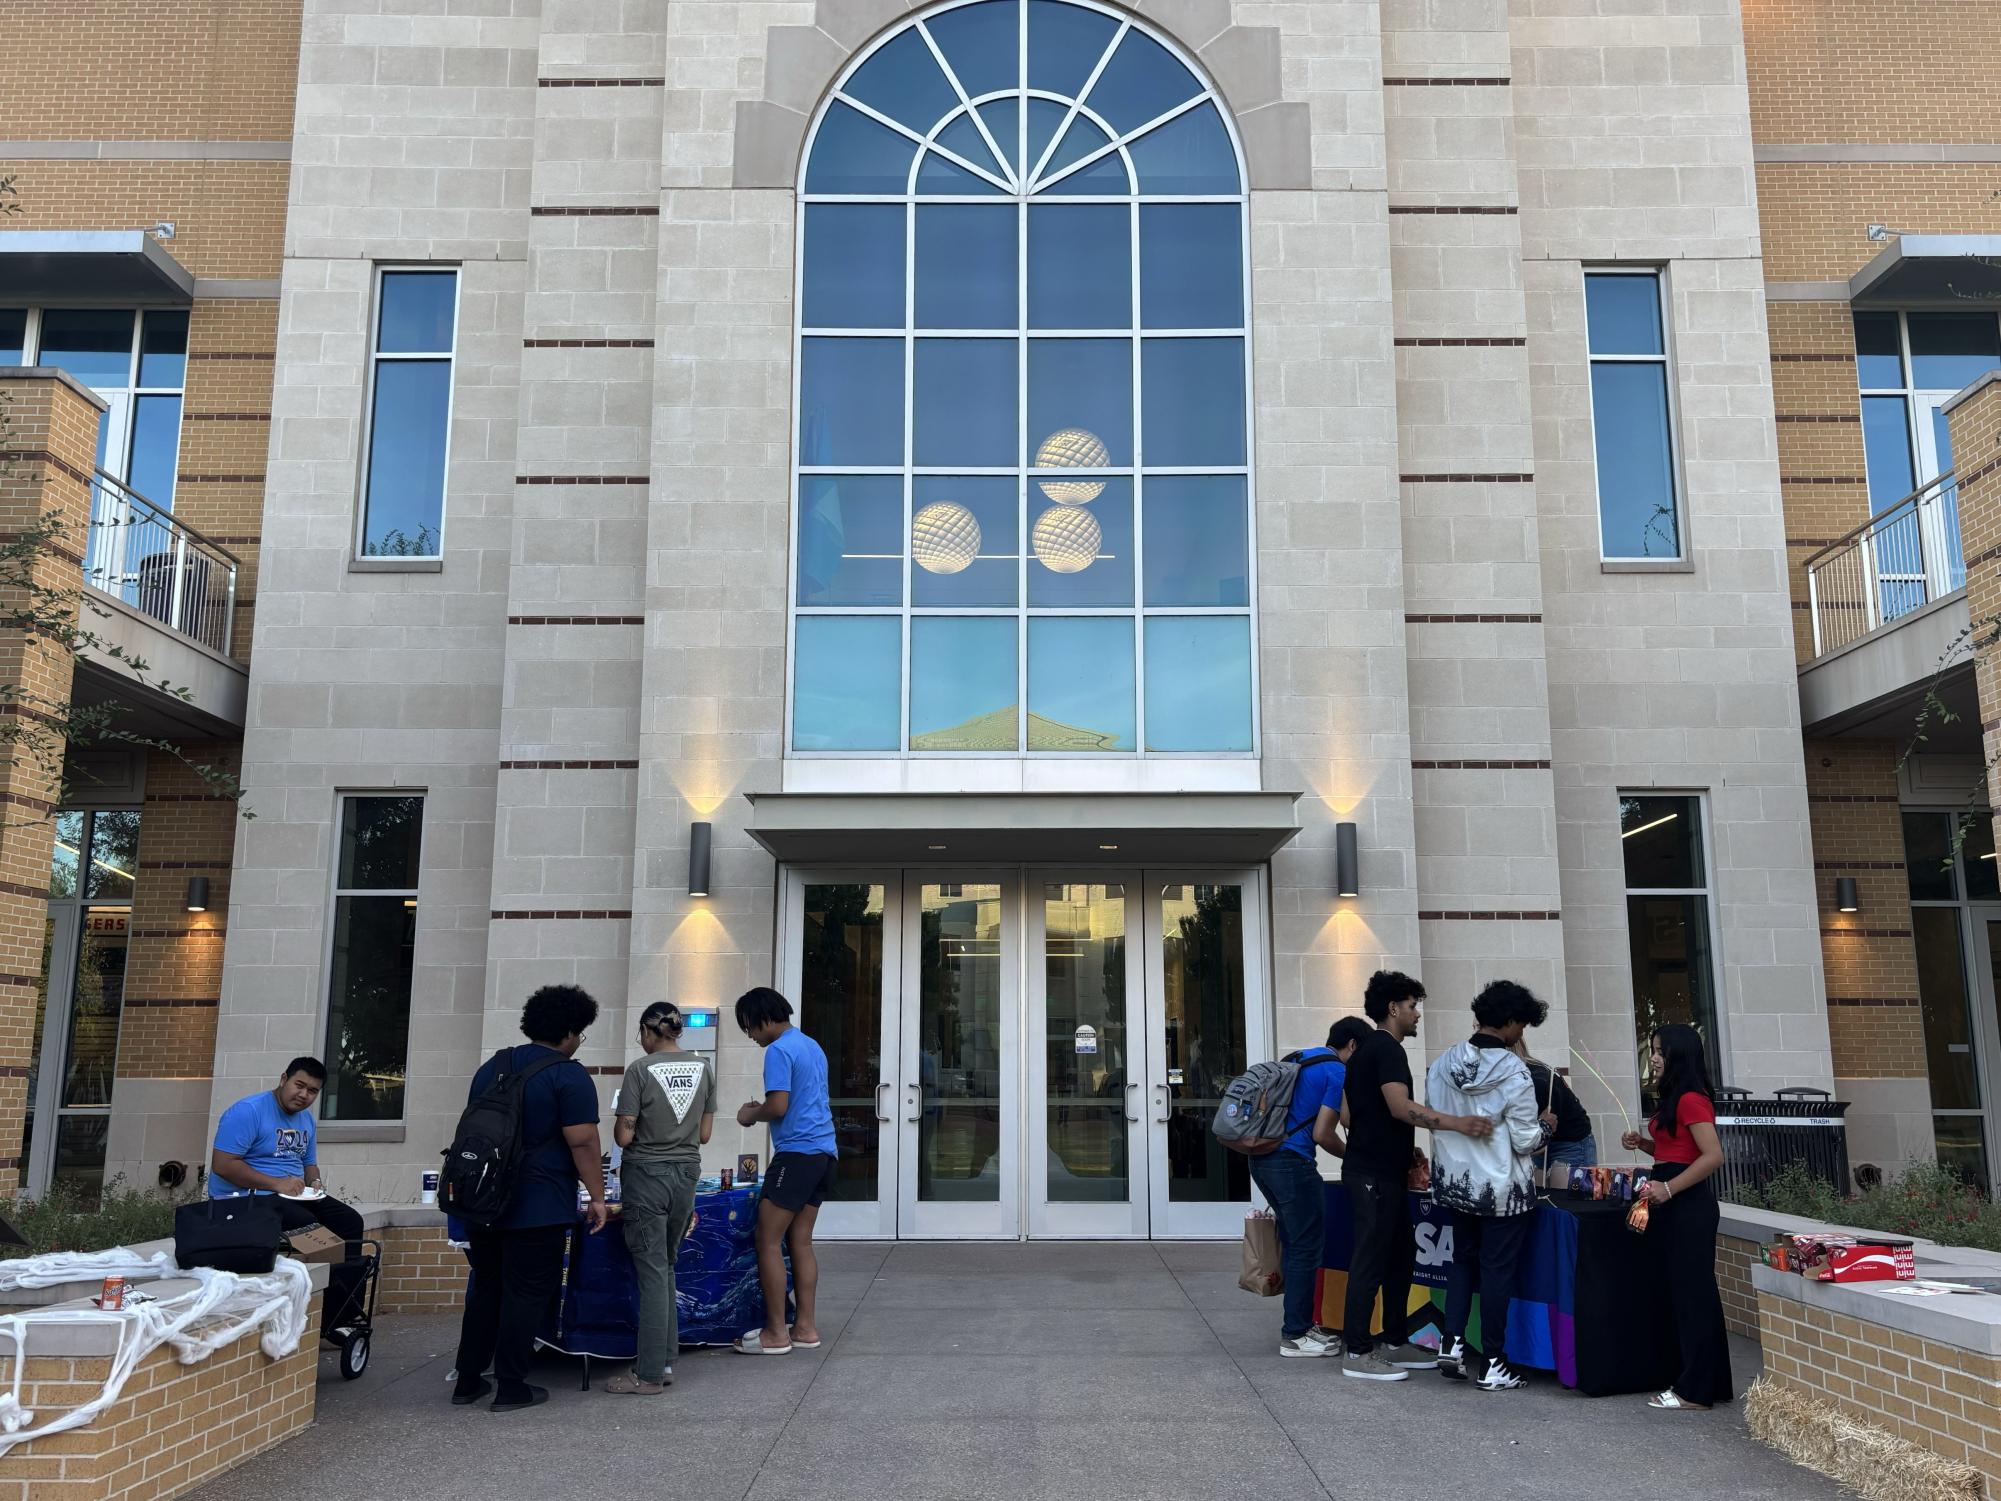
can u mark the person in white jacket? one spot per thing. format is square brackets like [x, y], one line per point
[1487, 1183]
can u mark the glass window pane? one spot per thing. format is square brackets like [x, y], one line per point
[1674, 975]
[417, 312]
[1084, 990]
[156, 448]
[963, 139]
[947, 179]
[1004, 122]
[1947, 1018]
[1958, 1143]
[854, 154]
[960, 1006]
[81, 1142]
[1198, 683]
[1080, 683]
[1079, 141]
[1976, 857]
[1142, 82]
[1662, 841]
[1879, 361]
[163, 350]
[368, 1008]
[91, 1057]
[381, 840]
[963, 694]
[854, 266]
[1081, 554]
[840, 1007]
[1636, 495]
[1207, 1003]
[983, 44]
[92, 344]
[13, 335]
[1106, 175]
[962, 540]
[1045, 118]
[1623, 314]
[1193, 390]
[1951, 350]
[1191, 265]
[850, 401]
[114, 855]
[902, 81]
[966, 266]
[966, 399]
[1064, 45]
[1080, 403]
[1189, 154]
[406, 459]
[1928, 858]
[68, 854]
[847, 679]
[850, 539]
[1197, 530]
[1080, 266]
[1886, 445]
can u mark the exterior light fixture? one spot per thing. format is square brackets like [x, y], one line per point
[1066, 539]
[944, 537]
[1845, 899]
[1347, 861]
[1072, 448]
[698, 859]
[197, 893]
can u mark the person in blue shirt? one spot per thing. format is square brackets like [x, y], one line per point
[266, 1144]
[801, 1117]
[1289, 1179]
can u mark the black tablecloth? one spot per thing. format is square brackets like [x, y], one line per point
[1625, 1341]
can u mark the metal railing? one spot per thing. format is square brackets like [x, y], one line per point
[1899, 560]
[161, 567]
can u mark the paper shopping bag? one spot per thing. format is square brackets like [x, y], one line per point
[1261, 1274]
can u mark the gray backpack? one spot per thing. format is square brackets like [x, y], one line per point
[1252, 1117]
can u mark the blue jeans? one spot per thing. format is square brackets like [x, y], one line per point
[1291, 1185]
[1574, 1153]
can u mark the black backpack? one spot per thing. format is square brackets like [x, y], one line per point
[484, 1159]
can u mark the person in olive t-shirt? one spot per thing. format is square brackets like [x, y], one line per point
[666, 1109]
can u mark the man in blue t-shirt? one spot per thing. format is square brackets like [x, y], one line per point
[801, 1117]
[1289, 1179]
[265, 1144]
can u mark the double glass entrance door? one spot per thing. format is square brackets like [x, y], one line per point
[1030, 1052]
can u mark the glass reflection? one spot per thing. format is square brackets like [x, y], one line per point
[1198, 683]
[1142, 82]
[417, 312]
[850, 401]
[1107, 582]
[1191, 265]
[91, 1056]
[1087, 384]
[854, 154]
[847, 680]
[966, 403]
[964, 557]
[850, 539]
[944, 178]
[902, 81]
[163, 349]
[1194, 402]
[1879, 357]
[13, 335]
[1623, 314]
[853, 270]
[963, 692]
[840, 1007]
[1106, 175]
[1197, 540]
[1945, 1007]
[1080, 266]
[114, 855]
[1202, 972]
[1636, 500]
[68, 854]
[1950, 351]
[92, 344]
[156, 449]
[1085, 1043]
[1189, 154]
[966, 259]
[1886, 445]
[982, 43]
[1080, 683]
[958, 1043]
[406, 458]
[1064, 44]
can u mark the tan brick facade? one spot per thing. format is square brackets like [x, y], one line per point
[421, 1271]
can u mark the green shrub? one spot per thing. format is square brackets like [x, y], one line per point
[68, 1218]
[1926, 1201]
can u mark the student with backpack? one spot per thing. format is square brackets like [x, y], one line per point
[1289, 1178]
[529, 1134]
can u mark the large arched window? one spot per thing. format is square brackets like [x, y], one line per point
[1023, 439]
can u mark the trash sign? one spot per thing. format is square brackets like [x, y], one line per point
[1087, 1039]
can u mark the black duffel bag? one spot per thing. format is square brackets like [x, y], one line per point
[231, 1235]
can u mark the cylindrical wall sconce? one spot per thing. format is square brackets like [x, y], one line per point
[197, 893]
[1844, 895]
[698, 859]
[1347, 861]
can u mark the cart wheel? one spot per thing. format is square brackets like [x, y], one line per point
[354, 1354]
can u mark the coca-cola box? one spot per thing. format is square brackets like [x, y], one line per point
[1869, 1261]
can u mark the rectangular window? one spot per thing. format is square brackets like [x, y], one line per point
[374, 945]
[136, 359]
[410, 411]
[1949, 863]
[1668, 919]
[1632, 417]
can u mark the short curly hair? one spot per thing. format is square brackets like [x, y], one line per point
[1504, 1001]
[555, 1011]
[1386, 988]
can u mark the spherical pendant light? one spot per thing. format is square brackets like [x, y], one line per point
[1066, 539]
[1072, 448]
[944, 537]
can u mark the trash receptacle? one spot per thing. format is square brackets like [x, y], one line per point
[1763, 1135]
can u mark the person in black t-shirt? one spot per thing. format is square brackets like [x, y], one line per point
[1571, 1142]
[1382, 1121]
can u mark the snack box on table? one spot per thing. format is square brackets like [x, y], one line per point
[1843, 1258]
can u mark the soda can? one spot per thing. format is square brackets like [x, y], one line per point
[1580, 1180]
[728, 1175]
[113, 1295]
[1621, 1187]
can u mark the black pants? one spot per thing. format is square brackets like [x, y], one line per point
[1487, 1252]
[1687, 1227]
[515, 1273]
[1384, 1254]
[342, 1304]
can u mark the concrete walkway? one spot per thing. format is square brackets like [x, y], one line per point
[1102, 1372]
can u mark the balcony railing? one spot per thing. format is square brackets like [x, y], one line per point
[1898, 561]
[161, 567]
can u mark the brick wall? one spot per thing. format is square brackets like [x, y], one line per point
[421, 1273]
[1936, 1396]
[173, 1427]
[1734, 1259]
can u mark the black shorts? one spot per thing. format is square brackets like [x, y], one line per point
[798, 1179]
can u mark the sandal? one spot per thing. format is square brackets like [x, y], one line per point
[1667, 1401]
[803, 1344]
[629, 1385]
[751, 1342]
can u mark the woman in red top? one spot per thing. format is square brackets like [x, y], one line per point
[1686, 1152]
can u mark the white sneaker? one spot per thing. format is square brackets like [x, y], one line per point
[1314, 1343]
[1452, 1360]
[1498, 1378]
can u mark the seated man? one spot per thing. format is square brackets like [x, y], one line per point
[266, 1144]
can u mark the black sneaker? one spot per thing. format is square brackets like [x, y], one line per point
[536, 1396]
[1452, 1360]
[1498, 1378]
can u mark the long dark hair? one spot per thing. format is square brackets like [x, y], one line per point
[1684, 1070]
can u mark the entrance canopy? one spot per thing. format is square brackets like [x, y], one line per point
[118, 266]
[1178, 828]
[1932, 269]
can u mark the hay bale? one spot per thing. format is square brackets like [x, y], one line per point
[1873, 1463]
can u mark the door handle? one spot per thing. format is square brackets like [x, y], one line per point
[1161, 1120]
[1129, 1092]
[916, 1103]
[878, 1100]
